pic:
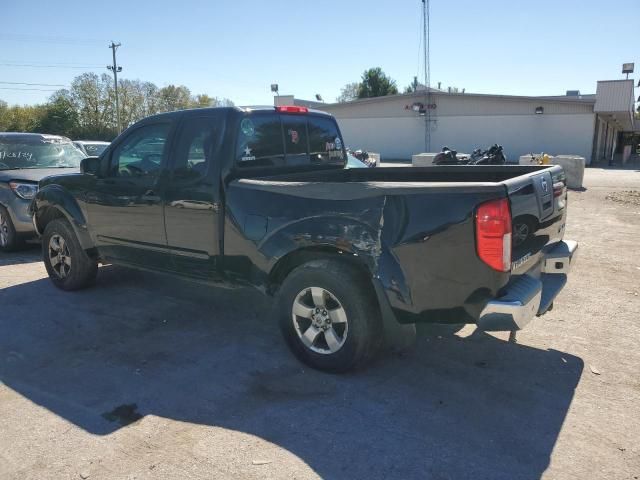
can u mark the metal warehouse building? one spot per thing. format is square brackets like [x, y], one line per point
[585, 125]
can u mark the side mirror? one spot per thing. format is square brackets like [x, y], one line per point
[90, 165]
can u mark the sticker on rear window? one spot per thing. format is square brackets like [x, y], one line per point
[247, 157]
[247, 127]
[294, 135]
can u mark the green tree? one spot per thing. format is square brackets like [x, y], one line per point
[93, 98]
[59, 117]
[4, 115]
[19, 118]
[87, 109]
[348, 92]
[173, 97]
[412, 87]
[375, 83]
[202, 101]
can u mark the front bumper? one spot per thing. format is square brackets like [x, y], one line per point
[529, 296]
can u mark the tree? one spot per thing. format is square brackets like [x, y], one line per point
[59, 117]
[4, 117]
[349, 92]
[20, 118]
[87, 109]
[412, 87]
[174, 98]
[93, 97]
[202, 101]
[375, 83]
[137, 100]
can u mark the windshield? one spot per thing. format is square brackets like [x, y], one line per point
[16, 154]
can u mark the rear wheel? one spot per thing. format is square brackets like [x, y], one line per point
[9, 238]
[329, 316]
[68, 265]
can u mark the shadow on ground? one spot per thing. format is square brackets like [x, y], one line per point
[138, 344]
[30, 253]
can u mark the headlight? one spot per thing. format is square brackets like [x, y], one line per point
[24, 190]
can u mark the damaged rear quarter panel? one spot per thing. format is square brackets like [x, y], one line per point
[419, 247]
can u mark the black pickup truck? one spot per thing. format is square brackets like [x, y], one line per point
[262, 197]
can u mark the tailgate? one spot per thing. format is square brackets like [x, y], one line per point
[538, 210]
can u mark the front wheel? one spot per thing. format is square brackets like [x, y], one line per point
[68, 265]
[9, 239]
[329, 316]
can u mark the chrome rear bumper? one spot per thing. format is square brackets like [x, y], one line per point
[528, 296]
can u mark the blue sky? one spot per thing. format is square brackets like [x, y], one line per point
[236, 49]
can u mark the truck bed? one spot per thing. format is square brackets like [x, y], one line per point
[419, 218]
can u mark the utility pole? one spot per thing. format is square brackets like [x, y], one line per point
[427, 76]
[115, 69]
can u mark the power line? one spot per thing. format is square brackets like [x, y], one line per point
[33, 65]
[49, 39]
[36, 84]
[31, 89]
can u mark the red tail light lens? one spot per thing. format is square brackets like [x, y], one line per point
[558, 189]
[493, 234]
[292, 109]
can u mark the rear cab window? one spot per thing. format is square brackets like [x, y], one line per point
[272, 139]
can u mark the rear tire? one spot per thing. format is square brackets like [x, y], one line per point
[329, 316]
[9, 238]
[68, 265]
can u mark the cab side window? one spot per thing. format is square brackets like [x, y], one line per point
[141, 153]
[195, 147]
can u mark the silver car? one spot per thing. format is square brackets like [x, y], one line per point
[91, 148]
[25, 159]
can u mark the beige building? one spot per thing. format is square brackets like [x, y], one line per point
[572, 124]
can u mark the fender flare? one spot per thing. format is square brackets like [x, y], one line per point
[64, 204]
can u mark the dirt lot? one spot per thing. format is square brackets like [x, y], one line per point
[138, 378]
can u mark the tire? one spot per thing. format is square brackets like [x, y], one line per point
[337, 324]
[74, 269]
[9, 238]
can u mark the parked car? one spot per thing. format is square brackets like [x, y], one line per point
[26, 158]
[345, 252]
[91, 148]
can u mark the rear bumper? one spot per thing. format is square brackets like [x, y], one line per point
[529, 296]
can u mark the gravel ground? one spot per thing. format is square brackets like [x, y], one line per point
[143, 377]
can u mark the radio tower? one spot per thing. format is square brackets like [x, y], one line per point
[427, 77]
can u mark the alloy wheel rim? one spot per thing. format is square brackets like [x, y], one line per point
[320, 320]
[59, 256]
[4, 230]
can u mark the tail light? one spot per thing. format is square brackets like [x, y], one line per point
[291, 109]
[493, 234]
[558, 189]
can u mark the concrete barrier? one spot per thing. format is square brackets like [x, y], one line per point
[573, 166]
[527, 160]
[423, 159]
